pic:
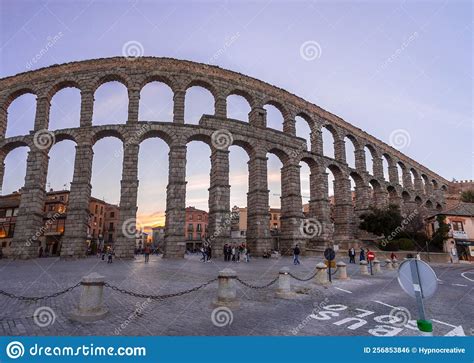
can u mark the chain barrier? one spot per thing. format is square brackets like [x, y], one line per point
[333, 273]
[36, 298]
[159, 297]
[307, 279]
[246, 284]
[386, 263]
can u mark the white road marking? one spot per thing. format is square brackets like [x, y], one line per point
[442, 322]
[349, 292]
[380, 302]
[467, 278]
[458, 285]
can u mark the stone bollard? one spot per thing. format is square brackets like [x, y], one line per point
[364, 270]
[395, 263]
[388, 263]
[284, 284]
[376, 267]
[227, 289]
[321, 277]
[341, 270]
[90, 303]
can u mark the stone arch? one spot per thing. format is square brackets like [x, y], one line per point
[435, 184]
[330, 136]
[103, 133]
[439, 207]
[371, 155]
[242, 93]
[56, 91]
[160, 78]
[406, 196]
[13, 97]
[402, 171]
[279, 125]
[303, 128]
[429, 204]
[444, 188]
[112, 77]
[58, 153]
[236, 103]
[418, 200]
[167, 138]
[111, 80]
[360, 199]
[390, 172]
[426, 183]
[59, 86]
[207, 91]
[198, 82]
[5, 152]
[392, 195]
[351, 148]
[162, 94]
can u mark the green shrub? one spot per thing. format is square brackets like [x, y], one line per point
[406, 244]
[389, 246]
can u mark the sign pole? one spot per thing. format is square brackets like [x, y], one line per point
[425, 326]
[370, 265]
[329, 270]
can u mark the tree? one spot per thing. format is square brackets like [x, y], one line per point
[441, 234]
[382, 222]
[468, 196]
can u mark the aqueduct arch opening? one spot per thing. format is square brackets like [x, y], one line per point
[256, 138]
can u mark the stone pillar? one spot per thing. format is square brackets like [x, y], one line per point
[258, 214]
[316, 141]
[364, 270]
[376, 267]
[393, 174]
[342, 270]
[388, 263]
[91, 301]
[133, 104]
[407, 183]
[340, 150]
[2, 168]
[175, 238]
[128, 231]
[395, 263]
[3, 120]
[29, 222]
[360, 163]
[284, 284]
[380, 197]
[77, 220]
[289, 126]
[258, 117]
[377, 164]
[343, 210]
[219, 201]
[42, 113]
[220, 107]
[321, 277]
[319, 208]
[418, 185]
[291, 209]
[87, 107]
[227, 289]
[178, 106]
[362, 203]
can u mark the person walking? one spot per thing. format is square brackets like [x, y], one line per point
[109, 255]
[204, 253]
[209, 252]
[352, 254]
[362, 255]
[147, 253]
[296, 255]
[393, 256]
[224, 251]
[233, 252]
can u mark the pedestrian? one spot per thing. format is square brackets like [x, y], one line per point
[296, 255]
[147, 253]
[393, 256]
[362, 255]
[233, 252]
[229, 252]
[224, 251]
[209, 252]
[203, 252]
[41, 252]
[248, 254]
[109, 255]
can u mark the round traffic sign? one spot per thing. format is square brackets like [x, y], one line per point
[329, 254]
[428, 281]
[370, 255]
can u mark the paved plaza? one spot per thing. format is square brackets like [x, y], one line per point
[357, 306]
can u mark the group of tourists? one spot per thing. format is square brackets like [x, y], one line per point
[106, 251]
[206, 251]
[234, 253]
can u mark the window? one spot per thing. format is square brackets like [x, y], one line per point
[15, 212]
[190, 236]
[190, 217]
[3, 213]
[198, 227]
[457, 226]
[110, 237]
[11, 231]
[111, 226]
[101, 210]
[96, 208]
[9, 213]
[199, 217]
[61, 198]
[190, 227]
[112, 214]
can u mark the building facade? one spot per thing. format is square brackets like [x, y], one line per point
[197, 221]
[460, 242]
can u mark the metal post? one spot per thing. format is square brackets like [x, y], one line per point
[423, 324]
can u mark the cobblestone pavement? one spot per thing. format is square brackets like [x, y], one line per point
[358, 306]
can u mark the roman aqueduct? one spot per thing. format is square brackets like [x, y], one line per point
[420, 187]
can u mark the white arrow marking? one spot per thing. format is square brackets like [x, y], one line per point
[380, 302]
[456, 332]
[349, 292]
[467, 278]
[459, 285]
